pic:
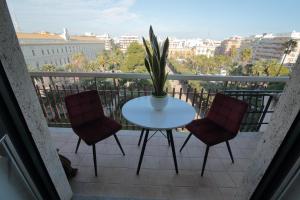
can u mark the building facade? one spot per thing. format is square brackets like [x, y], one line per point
[271, 46]
[228, 45]
[207, 47]
[125, 41]
[108, 41]
[55, 49]
[179, 48]
[189, 47]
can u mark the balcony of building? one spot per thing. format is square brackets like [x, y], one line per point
[157, 180]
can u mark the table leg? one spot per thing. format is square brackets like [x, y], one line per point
[141, 136]
[143, 151]
[173, 149]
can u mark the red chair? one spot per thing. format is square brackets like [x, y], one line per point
[221, 124]
[89, 122]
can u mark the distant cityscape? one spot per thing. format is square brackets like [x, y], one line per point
[57, 49]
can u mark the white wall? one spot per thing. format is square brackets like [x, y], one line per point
[58, 54]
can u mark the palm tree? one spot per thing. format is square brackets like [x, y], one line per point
[289, 46]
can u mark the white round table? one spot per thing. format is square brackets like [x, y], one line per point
[176, 114]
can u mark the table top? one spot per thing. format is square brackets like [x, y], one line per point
[176, 114]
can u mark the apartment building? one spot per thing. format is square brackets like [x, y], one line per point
[126, 40]
[207, 47]
[271, 46]
[227, 45]
[108, 41]
[179, 48]
[56, 49]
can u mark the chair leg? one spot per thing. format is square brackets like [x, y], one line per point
[229, 150]
[141, 136]
[77, 146]
[204, 161]
[119, 144]
[186, 140]
[95, 159]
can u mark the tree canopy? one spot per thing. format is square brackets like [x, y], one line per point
[134, 59]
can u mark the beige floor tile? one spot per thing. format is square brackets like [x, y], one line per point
[157, 179]
[223, 179]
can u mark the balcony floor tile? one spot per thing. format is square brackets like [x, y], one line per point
[157, 180]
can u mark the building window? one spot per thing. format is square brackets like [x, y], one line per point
[57, 51]
[37, 64]
[43, 52]
[66, 49]
[68, 60]
[60, 62]
[33, 53]
[52, 51]
[48, 51]
[62, 50]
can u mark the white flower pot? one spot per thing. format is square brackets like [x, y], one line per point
[158, 103]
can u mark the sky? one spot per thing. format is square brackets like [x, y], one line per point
[215, 19]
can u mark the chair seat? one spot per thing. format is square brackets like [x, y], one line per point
[97, 130]
[209, 132]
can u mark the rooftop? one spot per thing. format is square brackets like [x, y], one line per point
[59, 37]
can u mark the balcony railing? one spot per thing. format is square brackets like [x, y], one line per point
[115, 89]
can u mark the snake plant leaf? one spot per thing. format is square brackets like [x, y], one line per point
[153, 43]
[165, 50]
[155, 62]
[147, 50]
[163, 59]
[147, 64]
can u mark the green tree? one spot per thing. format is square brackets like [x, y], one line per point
[92, 66]
[78, 62]
[246, 55]
[116, 59]
[233, 52]
[102, 60]
[289, 46]
[32, 69]
[269, 68]
[48, 68]
[134, 59]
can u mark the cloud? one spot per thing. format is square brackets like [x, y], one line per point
[80, 14]
[119, 12]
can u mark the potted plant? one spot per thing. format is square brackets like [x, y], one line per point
[155, 62]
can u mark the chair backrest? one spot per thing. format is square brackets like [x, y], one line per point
[227, 112]
[84, 107]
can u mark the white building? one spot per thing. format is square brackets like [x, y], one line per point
[207, 47]
[271, 46]
[125, 41]
[50, 48]
[177, 43]
[178, 48]
[108, 41]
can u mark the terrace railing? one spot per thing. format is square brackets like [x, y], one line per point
[115, 89]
